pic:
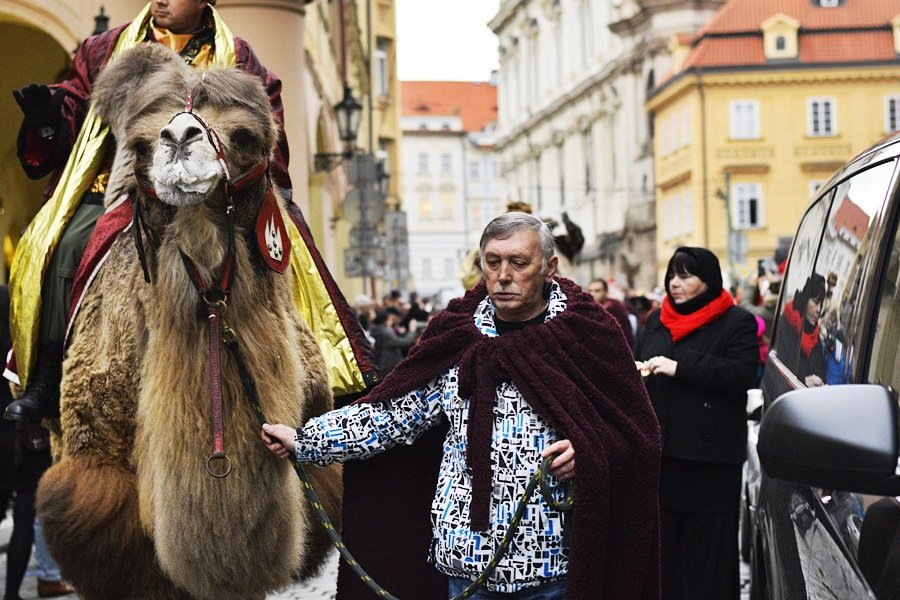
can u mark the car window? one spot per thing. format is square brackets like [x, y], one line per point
[826, 274]
[800, 267]
[844, 264]
[879, 524]
[884, 367]
[847, 265]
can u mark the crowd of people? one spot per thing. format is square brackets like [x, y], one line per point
[637, 396]
[701, 346]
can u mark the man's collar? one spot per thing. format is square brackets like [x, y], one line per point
[486, 313]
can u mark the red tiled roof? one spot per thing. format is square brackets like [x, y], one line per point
[815, 48]
[852, 219]
[719, 52]
[475, 103]
[826, 35]
[856, 46]
[747, 15]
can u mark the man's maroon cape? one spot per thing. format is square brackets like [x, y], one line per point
[577, 373]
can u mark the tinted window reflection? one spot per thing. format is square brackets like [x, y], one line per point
[845, 265]
[802, 263]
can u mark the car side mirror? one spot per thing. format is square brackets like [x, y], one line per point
[840, 437]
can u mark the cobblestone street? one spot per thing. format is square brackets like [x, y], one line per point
[320, 588]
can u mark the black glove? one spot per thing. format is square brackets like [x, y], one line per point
[41, 107]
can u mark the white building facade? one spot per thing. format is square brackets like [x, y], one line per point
[450, 182]
[573, 134]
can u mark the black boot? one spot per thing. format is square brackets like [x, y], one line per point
[41, 399]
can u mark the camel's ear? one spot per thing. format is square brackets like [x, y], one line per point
[135, 80]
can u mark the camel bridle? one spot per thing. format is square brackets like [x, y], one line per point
[213, 294]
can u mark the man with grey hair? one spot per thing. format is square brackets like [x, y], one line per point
[524, 366]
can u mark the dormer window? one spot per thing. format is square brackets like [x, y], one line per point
[828, 3]
[780, 37]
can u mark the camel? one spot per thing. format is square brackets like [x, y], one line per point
[129, 509]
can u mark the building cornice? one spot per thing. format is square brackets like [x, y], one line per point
[432, 133]
[507, 11]
[637, 22]
[778, 74]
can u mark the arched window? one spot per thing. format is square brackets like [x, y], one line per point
[780, 43]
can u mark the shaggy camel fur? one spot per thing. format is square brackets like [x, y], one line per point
[129, 509]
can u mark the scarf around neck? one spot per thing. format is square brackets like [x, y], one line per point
[576, 371]
[681, 325]
[808, 339]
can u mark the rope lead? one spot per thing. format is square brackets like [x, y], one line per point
[538, 479]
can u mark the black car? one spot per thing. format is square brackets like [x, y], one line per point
[824, 517]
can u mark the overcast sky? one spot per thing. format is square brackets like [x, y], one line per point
[445, 41]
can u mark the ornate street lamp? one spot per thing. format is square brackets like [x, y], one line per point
[101, 22]
[348, 112]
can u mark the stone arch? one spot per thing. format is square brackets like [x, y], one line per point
[36, 44]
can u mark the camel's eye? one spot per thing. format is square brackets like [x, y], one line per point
[140, 148]
[241, 138]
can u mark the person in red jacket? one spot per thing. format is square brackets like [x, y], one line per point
[54, 116]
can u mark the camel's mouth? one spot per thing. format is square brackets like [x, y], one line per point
[186, 167]
[181, 183]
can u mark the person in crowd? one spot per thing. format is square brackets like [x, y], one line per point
[524, 366]
[599, 289]
[365, 311]
[701, 355]
[417, 311]
[799, 343]
[389, 345]
[640, 307]
[24, 456]
[879, 548]
[49, 580]
[49, 141]
[759, 296]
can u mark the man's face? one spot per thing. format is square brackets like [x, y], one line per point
[598, 291]
[178, 16]
[512, 272]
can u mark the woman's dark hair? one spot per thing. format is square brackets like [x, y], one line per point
[683, 263]
[813, 289]
[698, 262]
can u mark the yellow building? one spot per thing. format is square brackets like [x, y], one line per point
[762, 105]
[367, 64]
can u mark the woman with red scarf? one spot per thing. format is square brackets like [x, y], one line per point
[700, 354]
[798, 344]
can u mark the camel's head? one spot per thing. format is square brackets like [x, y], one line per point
[186, 131]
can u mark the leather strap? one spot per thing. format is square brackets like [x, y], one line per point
[215, 385]
[215, 299]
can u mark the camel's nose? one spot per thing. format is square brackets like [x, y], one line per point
[182, 131]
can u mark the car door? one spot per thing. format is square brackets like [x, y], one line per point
[823, 336]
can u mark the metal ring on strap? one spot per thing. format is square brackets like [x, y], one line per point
[218, 457]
